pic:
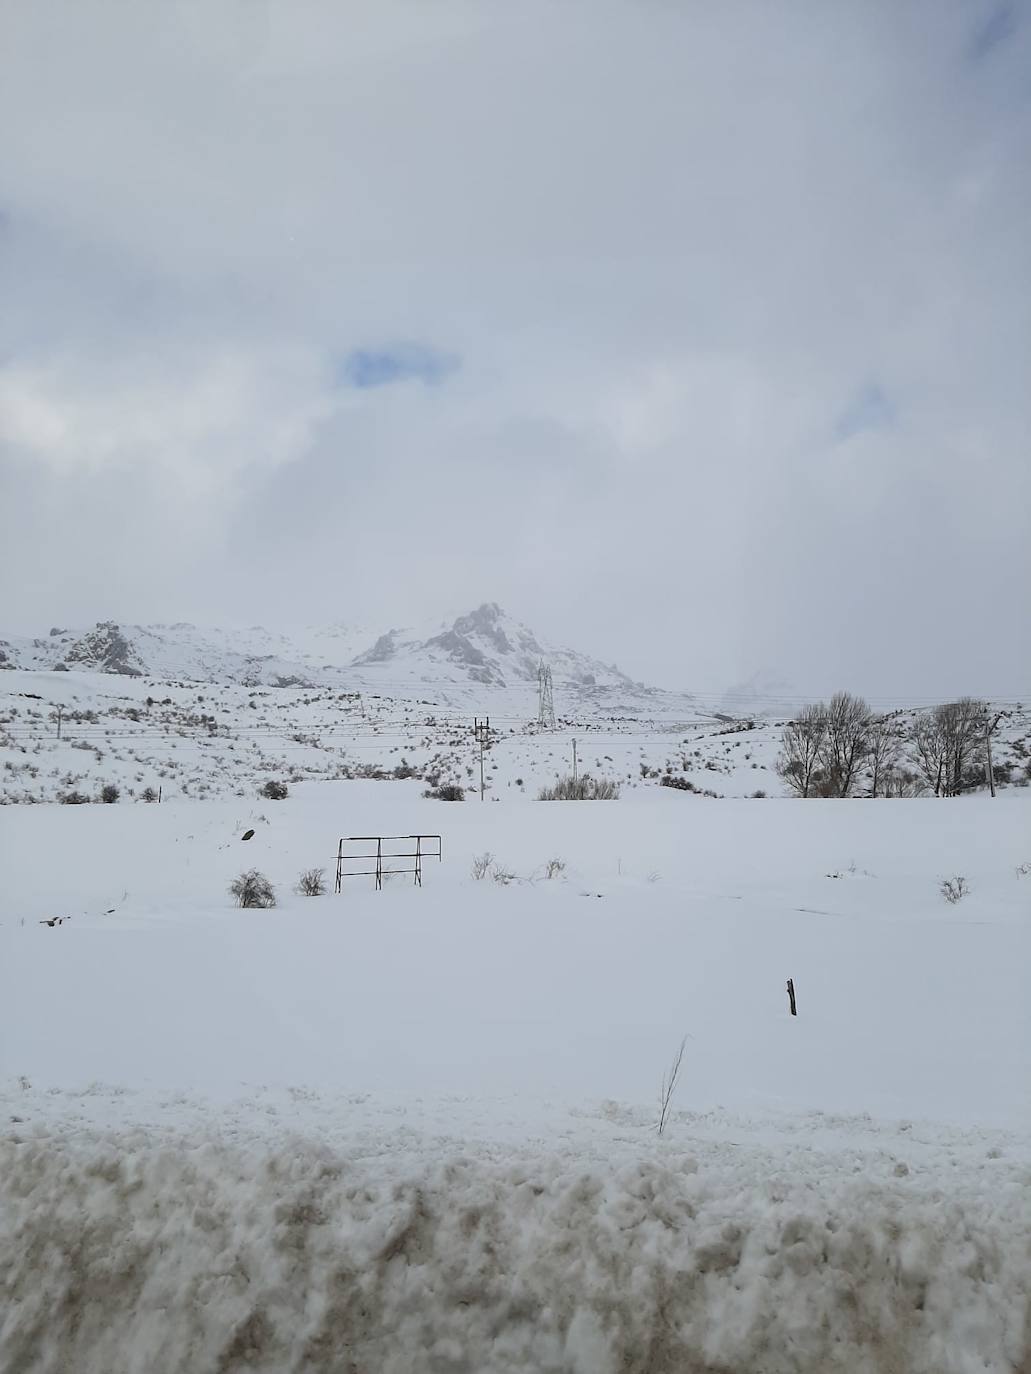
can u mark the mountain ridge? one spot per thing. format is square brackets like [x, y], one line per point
[484, 647]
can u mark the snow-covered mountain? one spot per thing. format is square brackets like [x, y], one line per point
[486, 647]
[252, 656]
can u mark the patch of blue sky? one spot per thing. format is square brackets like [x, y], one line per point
[407, 362]
[869, 409]
[994, 29]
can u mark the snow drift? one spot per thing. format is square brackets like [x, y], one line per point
[151, 1250]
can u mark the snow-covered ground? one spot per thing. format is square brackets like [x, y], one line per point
[415, 1129]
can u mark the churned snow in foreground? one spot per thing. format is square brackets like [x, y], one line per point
[414, 1130]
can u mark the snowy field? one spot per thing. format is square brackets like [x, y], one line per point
[415, 1130]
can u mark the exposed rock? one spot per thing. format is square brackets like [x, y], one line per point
[107, 650]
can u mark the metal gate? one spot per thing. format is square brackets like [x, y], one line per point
[381, 852]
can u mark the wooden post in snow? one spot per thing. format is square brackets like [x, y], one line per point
[791, 996]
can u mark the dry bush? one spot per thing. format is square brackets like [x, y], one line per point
[449, 791]
[482, 865]
[252, 889]
[583, 788]
[554, 868]
[680, 784]
[312, 882]
[486, 866]
[274, 791]
[954, 889]
[669, 1083]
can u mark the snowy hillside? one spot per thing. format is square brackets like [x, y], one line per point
[67, 735]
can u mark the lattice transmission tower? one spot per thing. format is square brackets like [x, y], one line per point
[545, 697]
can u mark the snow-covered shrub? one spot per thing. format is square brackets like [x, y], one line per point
[252, 889]
[109, 793]
[312, 882]
[274, 791]
[149, 794]
[448, 791]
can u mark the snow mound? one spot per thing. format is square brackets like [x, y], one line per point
[145, 1248]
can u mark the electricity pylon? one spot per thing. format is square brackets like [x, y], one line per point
[545, 697]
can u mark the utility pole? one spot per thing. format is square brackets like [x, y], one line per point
[60, 711]
[481, 728]
[989, 730]
[574, 763]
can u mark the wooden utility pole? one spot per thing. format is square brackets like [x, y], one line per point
[989, 730]
[574, 763]
[60, 710]
[482, 731]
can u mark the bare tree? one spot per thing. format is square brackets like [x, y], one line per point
[884, 751]
[845, 744]
[897, 781]
[944, 740]
[964, 723]
[801, 747]
[927, 744]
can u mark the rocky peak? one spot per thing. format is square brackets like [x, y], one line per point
[106, 649]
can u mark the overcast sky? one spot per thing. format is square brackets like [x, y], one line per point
[698, 335]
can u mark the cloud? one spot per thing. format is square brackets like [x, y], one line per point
[373, 313]
[200, 422]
